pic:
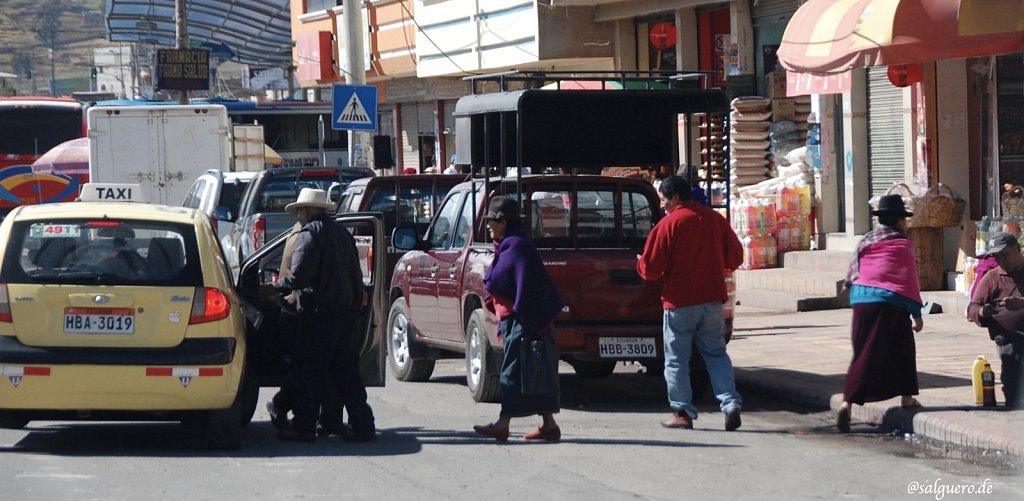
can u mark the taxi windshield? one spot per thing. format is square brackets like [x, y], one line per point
[102, 251]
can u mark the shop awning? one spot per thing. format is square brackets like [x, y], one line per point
[832, 36]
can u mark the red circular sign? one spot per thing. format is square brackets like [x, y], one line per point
[663, 35]
[903, 75]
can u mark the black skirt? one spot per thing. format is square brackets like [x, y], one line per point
[884, 361]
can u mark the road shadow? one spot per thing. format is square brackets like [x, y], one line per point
[146, 439]
[259, 440]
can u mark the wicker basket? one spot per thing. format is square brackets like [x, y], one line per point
[1012, 200]
[939, 207]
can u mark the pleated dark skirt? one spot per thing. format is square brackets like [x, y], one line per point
[884, 361]
[513, 402]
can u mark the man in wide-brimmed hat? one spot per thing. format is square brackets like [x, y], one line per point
[326, 274]
[884, 294]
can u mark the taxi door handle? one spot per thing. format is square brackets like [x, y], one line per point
[433, 270]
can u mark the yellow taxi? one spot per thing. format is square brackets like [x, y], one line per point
[116, 309]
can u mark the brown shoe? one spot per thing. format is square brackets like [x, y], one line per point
[678, 420]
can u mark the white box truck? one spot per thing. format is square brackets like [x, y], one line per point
[162, 147]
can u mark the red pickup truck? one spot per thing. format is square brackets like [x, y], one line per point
[588, 229]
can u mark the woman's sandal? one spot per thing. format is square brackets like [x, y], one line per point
[843, 420]
[913, 404]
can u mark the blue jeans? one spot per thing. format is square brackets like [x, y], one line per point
[704, 324]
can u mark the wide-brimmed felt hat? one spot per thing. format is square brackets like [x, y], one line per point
[310, 197]
[891, 205]
[999, 241]
[503, 207]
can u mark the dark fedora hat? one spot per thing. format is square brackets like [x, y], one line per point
[891, 205]
[503, 207]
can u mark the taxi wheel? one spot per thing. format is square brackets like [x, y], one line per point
[400, 360]
[223, 429]
[481, 378]
[593, 368]
[13, 424]
[250, 396]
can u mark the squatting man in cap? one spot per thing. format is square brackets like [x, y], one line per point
[998, 305]
[326, 275]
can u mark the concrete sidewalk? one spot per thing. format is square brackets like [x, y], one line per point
[803, 357]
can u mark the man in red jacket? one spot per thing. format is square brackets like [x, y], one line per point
[690, 249]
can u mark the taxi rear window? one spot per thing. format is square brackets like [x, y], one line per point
[103, 251]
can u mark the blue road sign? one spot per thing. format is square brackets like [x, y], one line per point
[354, 107]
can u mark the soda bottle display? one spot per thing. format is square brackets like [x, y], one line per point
[782, 229]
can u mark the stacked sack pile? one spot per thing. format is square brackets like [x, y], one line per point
[748, 141]
[791, 197]
[789, 124]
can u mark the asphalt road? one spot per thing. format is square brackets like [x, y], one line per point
[612, 448]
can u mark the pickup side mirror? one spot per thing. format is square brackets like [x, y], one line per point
[405, 238]
[223, 213]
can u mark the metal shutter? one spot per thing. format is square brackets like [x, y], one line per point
[410, 134]
[771, 9]
[886, 151]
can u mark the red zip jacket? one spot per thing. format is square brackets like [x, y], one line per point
[690, 248]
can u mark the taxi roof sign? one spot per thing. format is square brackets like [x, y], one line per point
[112, 192]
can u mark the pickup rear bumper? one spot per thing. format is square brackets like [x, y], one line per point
[581, 340]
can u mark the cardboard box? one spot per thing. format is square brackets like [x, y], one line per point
[775, 85]
[785, 109]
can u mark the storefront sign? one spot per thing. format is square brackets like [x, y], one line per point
[183, 69]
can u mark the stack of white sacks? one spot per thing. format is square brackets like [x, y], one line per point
[792, 170]
[748, 141]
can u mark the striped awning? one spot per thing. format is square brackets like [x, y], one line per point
[833, 36]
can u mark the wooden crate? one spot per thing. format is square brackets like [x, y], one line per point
[928, 250]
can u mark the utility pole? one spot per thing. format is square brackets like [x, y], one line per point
[352, 14]
[47, 31]
[181, 38]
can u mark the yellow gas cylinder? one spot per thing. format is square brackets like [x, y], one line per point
[988, 385]
[979, 366]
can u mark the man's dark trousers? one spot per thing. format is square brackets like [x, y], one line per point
[316, 339]
[350, 391]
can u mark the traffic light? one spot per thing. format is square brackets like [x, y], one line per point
[92, 73]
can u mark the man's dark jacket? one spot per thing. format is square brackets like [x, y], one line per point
[325, 269]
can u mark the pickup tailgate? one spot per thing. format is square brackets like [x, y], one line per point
[602, 286]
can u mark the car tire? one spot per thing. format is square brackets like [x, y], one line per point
[483, 382]
[400, 360]
[13, 424]
[249, 395]
[594, 368]
[224, 428]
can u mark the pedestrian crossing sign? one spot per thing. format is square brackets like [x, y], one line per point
[354, 107]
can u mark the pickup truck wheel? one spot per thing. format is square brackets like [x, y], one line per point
[484, 387]
[400, 359]
[593, 369]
